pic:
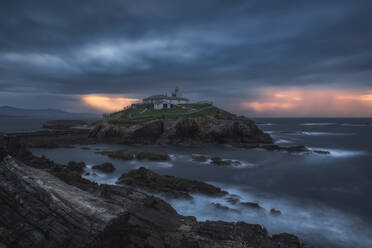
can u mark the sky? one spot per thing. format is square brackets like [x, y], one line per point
[272, 58]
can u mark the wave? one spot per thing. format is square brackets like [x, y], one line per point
[338, 153]
[308, 221]
[356, 124]
[282, 141]
[323, 133]
[318, 124]
[264, 124]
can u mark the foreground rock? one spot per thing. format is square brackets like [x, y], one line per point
[215, 126]
[76, 166]
[139, 155]
[39, 209]
[169, 186]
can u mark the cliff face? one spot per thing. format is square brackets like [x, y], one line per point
[217, 127]
[50, 206]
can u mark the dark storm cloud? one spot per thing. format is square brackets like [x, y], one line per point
[209, 48]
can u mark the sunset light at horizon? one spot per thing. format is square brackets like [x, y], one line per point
[107, 103]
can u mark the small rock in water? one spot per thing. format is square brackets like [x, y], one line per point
[199, 158]
[321, 152]
[105, 167]
[274, 211]
[220, 161]
[251, 205]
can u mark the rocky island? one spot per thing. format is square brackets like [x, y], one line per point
[184, 124]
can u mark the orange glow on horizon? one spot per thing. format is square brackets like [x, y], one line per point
[107, 103]
[306, 101]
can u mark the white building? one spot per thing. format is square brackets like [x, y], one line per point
[165, 101]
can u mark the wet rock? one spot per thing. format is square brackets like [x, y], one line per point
[199, 158]
[252, 205]
[140, 155]
[85, 148]
[295, 149]
[151, 156]
[274, 211]
[219, 206]
[321, 152]
[223, 162]
[105, 167]
[170, 186]
[233, 199]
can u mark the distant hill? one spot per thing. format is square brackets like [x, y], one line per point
[45, 113]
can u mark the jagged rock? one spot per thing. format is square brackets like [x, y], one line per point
[168, 185]
[105, 167]
[140, 155]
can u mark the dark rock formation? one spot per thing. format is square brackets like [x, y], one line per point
[170, 186]
[199, 158]
[105, 167]
[252, 205]
[139, 155]
[321, 152]
[223, 162]
[216, 126]
[64, 124]
[273, 147]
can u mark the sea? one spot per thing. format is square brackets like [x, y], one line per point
[325, 199]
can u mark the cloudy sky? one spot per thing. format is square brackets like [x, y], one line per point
[253, 57]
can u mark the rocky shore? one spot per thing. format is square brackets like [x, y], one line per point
[45, 204]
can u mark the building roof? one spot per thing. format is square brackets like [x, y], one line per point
[165, 97]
